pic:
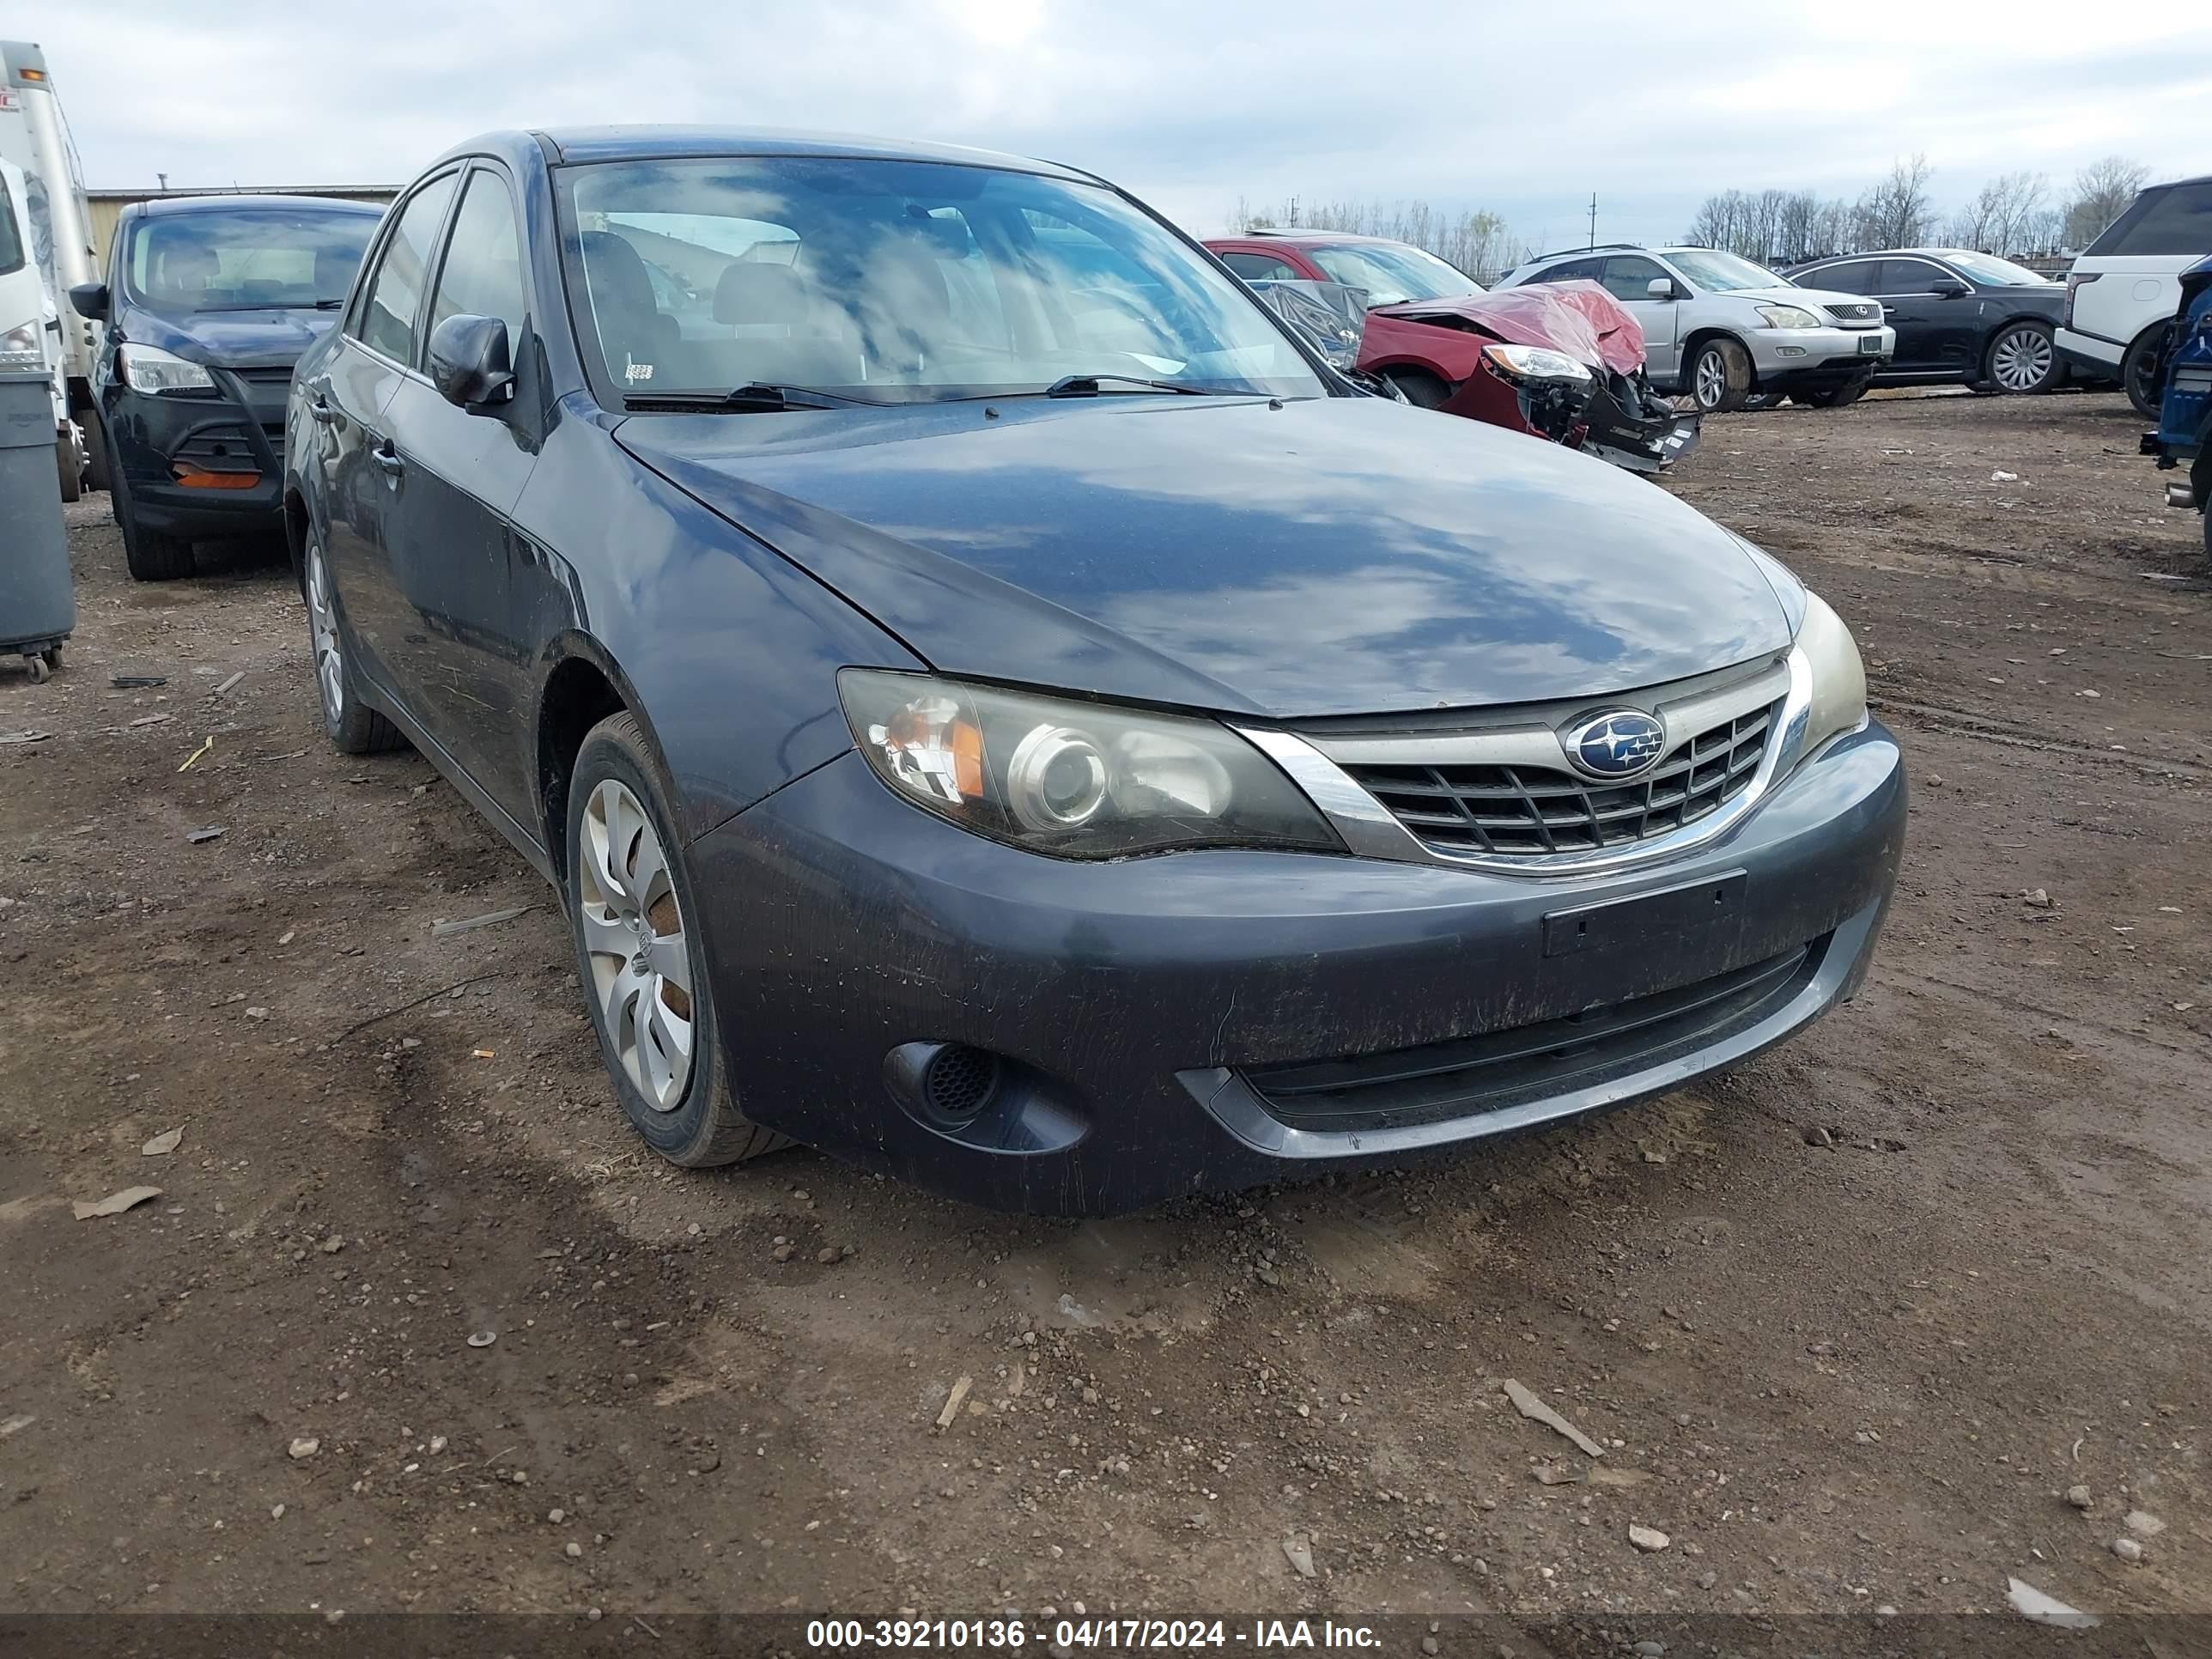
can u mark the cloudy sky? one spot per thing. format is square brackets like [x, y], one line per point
[1522, 108]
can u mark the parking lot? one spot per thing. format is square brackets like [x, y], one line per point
[1849, 1323]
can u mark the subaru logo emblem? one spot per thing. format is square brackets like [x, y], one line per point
[1617, 745]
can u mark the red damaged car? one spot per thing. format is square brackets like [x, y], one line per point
[1563, 361]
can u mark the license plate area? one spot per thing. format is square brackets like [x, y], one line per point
[1706, 915]
[1869, 345]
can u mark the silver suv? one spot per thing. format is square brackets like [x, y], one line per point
[1725, 330]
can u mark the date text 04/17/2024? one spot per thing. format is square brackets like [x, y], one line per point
[1066, 1636]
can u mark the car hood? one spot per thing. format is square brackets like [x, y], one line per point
[265, 338]
[1578, 317]
[1321, 556]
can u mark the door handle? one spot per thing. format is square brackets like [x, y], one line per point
[320, 410]
[388, 457]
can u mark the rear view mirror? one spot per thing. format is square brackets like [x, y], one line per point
[1660, 288]
[469, 362]
[1330, 317]
[90, 300]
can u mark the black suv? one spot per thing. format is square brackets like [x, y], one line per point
[1959, 315]
[208, 302]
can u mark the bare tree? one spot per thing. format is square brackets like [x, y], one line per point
[2102, 191]
[1896, 212]
[1480, 242]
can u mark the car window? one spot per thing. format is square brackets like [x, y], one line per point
[1726, 273]
[896, 281]
[1261, 267]
[11, 233]
[1572, 271]
[1393, 272]
[245, 258]
[1630, 275]
[394, 298]
[2176, 219]
[1908, 277]
[482, 276]
[1990, 271]
[1853, 276]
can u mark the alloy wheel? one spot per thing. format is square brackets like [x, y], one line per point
[1712, 379]
[322, 623]
[2021, 360]
[633, 929]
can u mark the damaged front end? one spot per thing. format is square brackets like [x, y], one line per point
[1572, 357]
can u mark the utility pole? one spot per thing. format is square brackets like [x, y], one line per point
[1593, 235]
[164, 178]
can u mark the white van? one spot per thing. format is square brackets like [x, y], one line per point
[2124, 290]
[30, 324]
[34, 135]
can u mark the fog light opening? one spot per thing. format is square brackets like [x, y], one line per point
[958, 1083]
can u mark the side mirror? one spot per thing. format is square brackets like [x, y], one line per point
[1949, 288]
[90, 300]
[469, 362]
[1660, 288]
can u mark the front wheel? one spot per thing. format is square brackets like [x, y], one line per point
[641, 960]
[65, 463]
[1830, 396]
[152, 555]
[1720, 377]
[1425, 390]
[2021, 360]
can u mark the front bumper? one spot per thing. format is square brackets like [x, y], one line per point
[159, 443]
[1785, 357]
[1144, 1009]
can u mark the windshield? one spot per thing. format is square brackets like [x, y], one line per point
[1708, 268]
[1993, 272]
[245, 260]
[896, 281]
[1393, 272]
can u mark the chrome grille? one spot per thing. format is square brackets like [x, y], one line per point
[1867, 313]
[1526, 811]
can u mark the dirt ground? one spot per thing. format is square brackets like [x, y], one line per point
[1849, 1323]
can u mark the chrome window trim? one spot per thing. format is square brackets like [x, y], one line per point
[1370, 830]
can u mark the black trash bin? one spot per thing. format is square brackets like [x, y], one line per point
[38, 608]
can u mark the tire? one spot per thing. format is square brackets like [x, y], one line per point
[1720, 377]
[72, 476]
[98, 475]
[626, 888]
[2021, 360]
[1833, 397]
[347, 721]
[1420, 388]
[2138, 367]
[152, 555]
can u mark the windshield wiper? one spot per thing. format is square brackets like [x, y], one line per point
[1086, 385]
[758, 396]
[329, 305]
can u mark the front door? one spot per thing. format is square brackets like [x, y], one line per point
[1921, 316]
[451, 544]
[1628, 278]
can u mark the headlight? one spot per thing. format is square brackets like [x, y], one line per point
[1076, 780]
[145, 368]
[1839, 694]
[1789, 317]
[1520, 362]
[21, 348]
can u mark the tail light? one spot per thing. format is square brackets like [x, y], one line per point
[2075, 282]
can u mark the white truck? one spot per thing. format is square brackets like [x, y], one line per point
[35, 136]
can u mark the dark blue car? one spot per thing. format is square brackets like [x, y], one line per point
[2182, 441]
[208, 302]
[999, 708]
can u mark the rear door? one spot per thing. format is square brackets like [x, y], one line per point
[450, 545]
[354, 459]
[1916, 311]
[1628, 278]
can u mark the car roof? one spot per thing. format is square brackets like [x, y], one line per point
[577, 146]
[168, 206]
[1291, 235]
